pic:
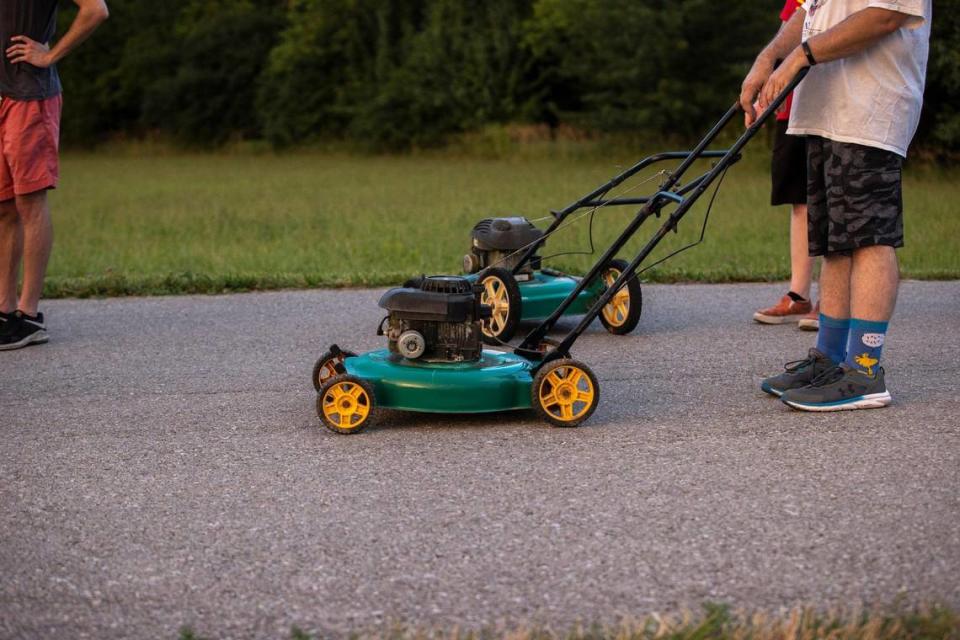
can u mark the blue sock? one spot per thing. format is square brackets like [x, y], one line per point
[832, 337]
[864, 345]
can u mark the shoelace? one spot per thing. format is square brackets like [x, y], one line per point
[796, 365]
[827, 377]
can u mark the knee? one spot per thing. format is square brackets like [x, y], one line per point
[32, 207]
[8, 212]
[875, 251]
[878, 258]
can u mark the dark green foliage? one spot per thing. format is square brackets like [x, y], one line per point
[396, 74]
[187, 68]
[331, 59]
[940, 127]
[465, 68]
[660, 65]
[105, 80]
[222, 47]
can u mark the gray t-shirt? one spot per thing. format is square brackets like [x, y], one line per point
[36, 19]
[874, 97]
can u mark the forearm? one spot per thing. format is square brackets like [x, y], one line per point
[90, 15]
[786, 40]
[856, 33]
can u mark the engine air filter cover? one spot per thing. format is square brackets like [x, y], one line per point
[446, 284]
[504, 234]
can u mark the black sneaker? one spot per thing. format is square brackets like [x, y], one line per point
[4, 316]
[798, 373]
[840, 389]
[21, 330]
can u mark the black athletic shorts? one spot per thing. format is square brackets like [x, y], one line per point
[788, 168]
[854, 197]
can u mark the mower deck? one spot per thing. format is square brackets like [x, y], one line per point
[545, 292]
[497, 382]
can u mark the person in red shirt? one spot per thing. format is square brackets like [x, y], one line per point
[789, 177]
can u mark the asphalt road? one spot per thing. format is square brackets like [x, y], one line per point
[161, 465]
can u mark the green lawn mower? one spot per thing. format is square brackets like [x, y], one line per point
[435, 360]
[504, 259]
[520, 290]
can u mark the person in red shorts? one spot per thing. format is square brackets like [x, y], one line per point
[30, 105]
[789, 173]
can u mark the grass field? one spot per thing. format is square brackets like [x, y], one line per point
[715, 623]
[175, 223]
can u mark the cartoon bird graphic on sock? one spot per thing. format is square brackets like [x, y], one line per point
[865, 361]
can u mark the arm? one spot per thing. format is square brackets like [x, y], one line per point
[38, 54]
[855, 34]
[786, 40]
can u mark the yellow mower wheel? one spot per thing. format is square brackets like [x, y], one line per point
[622, 314]
[346, 404]
[565, 392]
[502, 293]
[326, 367]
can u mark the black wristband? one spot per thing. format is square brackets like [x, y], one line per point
[806, 50]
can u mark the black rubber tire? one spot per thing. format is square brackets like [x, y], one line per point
[514, 306]
[321, 365]
[544, 411]
[372, 414]
[635, 291]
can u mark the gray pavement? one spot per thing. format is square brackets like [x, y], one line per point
[161, 465]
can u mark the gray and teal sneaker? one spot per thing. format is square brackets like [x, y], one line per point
[798, 373]
[840, 389]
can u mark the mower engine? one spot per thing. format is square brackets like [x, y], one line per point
[435, 319]
[500, 242]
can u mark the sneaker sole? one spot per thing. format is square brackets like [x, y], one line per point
[869, 401]
[37, 337]
[809, 325]
[765, 319]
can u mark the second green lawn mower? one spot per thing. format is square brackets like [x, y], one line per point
[504, 259]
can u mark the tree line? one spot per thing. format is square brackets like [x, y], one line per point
[395, 74]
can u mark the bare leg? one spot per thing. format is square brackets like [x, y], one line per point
[11, 251]
[37, 244]
[801, 264]
[874, 279]
[835, 286]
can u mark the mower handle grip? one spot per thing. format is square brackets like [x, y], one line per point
[779, 100]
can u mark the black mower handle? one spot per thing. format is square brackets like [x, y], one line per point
[596, 198]
[684, 200]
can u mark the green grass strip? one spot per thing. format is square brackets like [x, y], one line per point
[178, 223]
[716, 622]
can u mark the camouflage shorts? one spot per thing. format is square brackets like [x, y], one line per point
[853, 197]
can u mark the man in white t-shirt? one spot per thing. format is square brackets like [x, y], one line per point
[859, 107]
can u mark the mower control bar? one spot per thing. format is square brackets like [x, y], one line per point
[613, 202]
[645, 199]
[591, 199]
[529, 347]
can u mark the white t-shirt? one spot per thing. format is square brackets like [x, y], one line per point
[872, 98]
